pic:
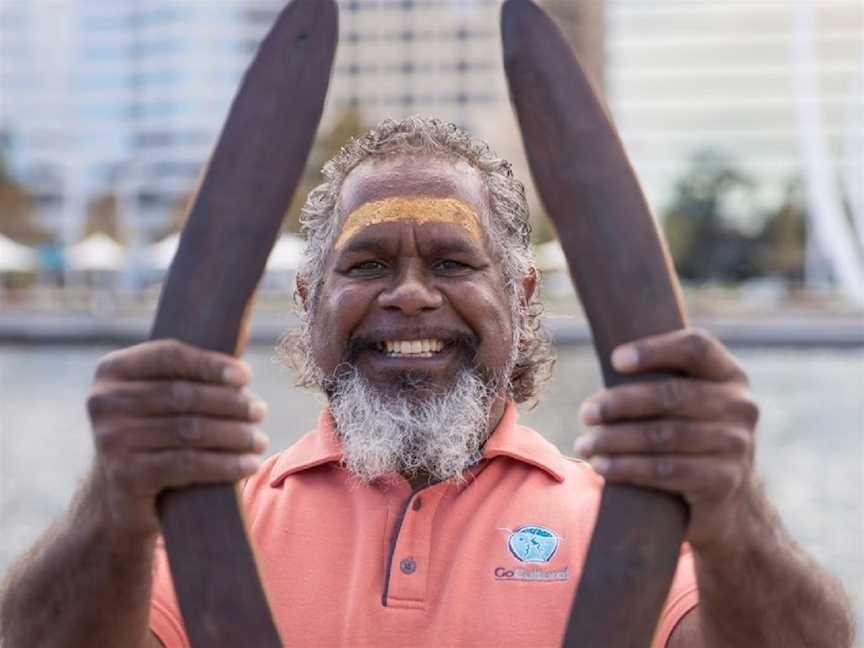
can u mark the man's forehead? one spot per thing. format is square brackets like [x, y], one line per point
[374, 180]
[416, 209]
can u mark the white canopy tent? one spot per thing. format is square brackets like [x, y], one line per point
[159, 255]
[287, 253]
[98, 253]
[15, 257]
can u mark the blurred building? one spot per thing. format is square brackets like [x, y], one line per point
[117, 98]
[684, 76]
[128, 97]
[402, 57]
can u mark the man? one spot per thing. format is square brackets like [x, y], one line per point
[419, 512]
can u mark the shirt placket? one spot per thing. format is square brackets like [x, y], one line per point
[409, 561]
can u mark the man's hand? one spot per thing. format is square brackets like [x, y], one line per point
[691, 434]
[167, 415]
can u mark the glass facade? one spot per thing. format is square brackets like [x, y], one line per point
[128, 97]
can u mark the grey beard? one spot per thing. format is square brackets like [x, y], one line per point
[413, 431]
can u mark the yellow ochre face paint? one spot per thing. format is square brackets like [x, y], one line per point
[418, 209]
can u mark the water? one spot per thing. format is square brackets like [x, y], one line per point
[810, 452]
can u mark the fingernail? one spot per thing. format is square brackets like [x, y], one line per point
[234, 376]
[260, 441]
[625, 358]
[257, 410]
[249, 463]
[584, 444]
[590, 412]
[600, 464]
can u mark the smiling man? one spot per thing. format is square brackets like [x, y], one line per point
[414, 336]
[419, 512]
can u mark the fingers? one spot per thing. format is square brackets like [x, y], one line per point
[153, 472]
[689, 351]
[182, 432]
[164, 415]
[698, 478]
[177, 397]
[173, 359]
[675, 397]
[665, 436]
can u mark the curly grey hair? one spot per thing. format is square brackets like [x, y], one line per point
[508, 232]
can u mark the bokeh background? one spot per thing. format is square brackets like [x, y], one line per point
[744, 120]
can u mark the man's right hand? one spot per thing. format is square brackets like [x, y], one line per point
[166, 415]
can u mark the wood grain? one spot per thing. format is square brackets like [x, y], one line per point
[627, 286]
[233, 222]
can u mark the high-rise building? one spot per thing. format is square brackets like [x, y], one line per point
[403, 57]
[123, 98]
[128, 98]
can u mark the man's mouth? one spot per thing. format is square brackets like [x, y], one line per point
[422, 348]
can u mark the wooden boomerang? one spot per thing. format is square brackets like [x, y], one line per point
[627, 286]
[233, 222]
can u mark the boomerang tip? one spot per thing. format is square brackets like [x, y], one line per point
[325, 8]
[521, 18]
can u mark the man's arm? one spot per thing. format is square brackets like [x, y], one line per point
[164, 415]
[693, 435]
[776, 593]
[84, 583]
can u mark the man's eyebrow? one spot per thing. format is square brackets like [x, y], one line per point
[358, 244]
[453, 246]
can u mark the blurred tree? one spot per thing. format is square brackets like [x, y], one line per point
[103, 216]
[706, 241]
[179, 214]
[17, 211]
[783, 238]
[350, 124]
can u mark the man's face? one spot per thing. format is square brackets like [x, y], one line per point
[412, 297]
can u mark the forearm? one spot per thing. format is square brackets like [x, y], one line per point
[761, 589]
[86, 583]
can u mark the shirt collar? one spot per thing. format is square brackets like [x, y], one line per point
[318, 447]
[523, 444]
[321, 446]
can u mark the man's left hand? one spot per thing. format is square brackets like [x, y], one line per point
[690, 434]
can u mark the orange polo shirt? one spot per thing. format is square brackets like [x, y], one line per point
[493, 561]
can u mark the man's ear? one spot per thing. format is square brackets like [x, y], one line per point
[529, 284]
[302, 290]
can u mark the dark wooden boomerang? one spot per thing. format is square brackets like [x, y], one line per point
[233, 222]
[627, 286]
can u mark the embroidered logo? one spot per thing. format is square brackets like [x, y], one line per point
[534, 574]
[533, 544]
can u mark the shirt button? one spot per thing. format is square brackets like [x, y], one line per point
[418, 502]
[408, 566]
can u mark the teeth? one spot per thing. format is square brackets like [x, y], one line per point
[425, 348]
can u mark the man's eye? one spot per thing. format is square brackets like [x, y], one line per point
[451, 266]
[367, 267]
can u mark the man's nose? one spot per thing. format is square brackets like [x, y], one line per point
[411, 293]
